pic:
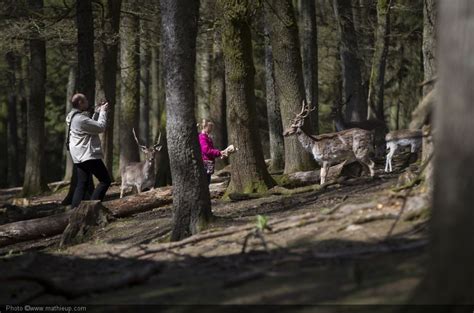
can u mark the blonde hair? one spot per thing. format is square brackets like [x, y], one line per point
[204, 123]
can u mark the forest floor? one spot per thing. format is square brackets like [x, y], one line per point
[362, 243]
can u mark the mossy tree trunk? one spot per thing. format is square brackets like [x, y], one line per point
[218, 98]
[191, 199]
[34, 181]
[353, 90]
[249, 172]
[85, 51]
[309, 49]
[130, 83]
[107, 73]
[275, 126]
[379, 61]
[288, 79]
[429, 42]
[451, 276]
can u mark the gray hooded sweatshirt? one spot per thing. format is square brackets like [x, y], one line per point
[84, 141]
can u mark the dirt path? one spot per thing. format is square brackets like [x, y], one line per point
[324, 247]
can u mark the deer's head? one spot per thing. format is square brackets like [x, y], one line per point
[297, 123]
[149, 151]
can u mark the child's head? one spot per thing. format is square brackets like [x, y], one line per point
[206, 125]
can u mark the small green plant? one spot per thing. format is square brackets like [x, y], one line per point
[262, 222]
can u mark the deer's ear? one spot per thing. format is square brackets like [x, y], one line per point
[158, 148]
[143, 148]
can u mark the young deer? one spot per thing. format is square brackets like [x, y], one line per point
[403, 137]
[141, 174]
[349, 145]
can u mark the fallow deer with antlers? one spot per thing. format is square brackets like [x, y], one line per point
[141, 174]
[349, 145]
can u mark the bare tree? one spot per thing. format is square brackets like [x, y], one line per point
[13, 168]
[429, 42]
[191, 199]
[288, 78]
[34, 181]
[451, 276]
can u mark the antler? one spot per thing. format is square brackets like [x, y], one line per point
[158, 141]
[305, 110]
[136, 139]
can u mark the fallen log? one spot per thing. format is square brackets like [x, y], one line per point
[53, 225]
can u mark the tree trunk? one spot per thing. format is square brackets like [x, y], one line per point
[249, 172]
[3, 142]
[85, 50]
[353, 90]
[145, 61]
[451, 274]
[218, 98]
[34, 181]
[309, 49]
[275, 126]
[429, 42]
[288, 78]
[13, 169]
[204, 57]
[107, 75]
[379, 61]
[71, 83]
[130, 85]
[191, 199]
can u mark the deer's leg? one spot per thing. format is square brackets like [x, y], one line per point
[390, 154]
[121, 191]
[324, 172]
[139, 188]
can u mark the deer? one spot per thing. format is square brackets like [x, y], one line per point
[400, 138]
[375, 125]
[141, 174]
[349, 145]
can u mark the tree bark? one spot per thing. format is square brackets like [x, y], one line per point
[85, 51]
[353, 90]
[107, 74]
[130, 84]
[13, 168]
[191, 199]
[204, 45]
[379, 61]
[34, 181]
[71, 83]
[218, 97]
[309, 49]
[275, 126]
[288, 78]
[145, 62]
[429, 42]
[451, 274]
[249, 172]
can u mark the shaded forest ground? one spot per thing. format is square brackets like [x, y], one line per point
[326, 246]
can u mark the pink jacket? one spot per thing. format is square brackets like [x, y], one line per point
[207, 148]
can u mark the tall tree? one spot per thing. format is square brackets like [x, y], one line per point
[85, 50]
[106, 65]
[217, 100]
[288, 78]
[275, 126]
[379, 61]
[353, 89]
[249, 172]
[309, 53]
[130, 83]
[145, 80]
[451, 279]
[204, 57]
[71, 84]
[34, 181]
[429, 42]
[13, 168]
[191, 199]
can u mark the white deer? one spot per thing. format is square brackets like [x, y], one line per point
[141, 174]
[349, 145]
[403, 137]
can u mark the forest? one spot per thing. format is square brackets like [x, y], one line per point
[237, 152]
